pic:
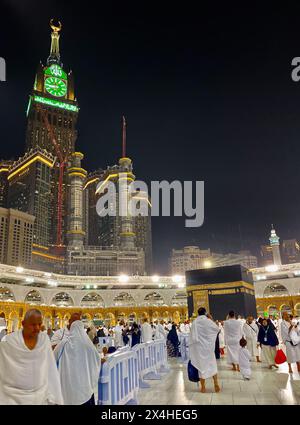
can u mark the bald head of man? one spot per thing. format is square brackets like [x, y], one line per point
[73, 318]
[32, 323]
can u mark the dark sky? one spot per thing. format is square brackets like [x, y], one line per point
[207, 93]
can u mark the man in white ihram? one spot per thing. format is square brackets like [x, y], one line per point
[78, 365]
[28, 373]
[146, 331]
[202, 348]
[292, 350]
[118, 334]
[160, 331]
[250, 330]
[185, 327]
[233, 333]
[63, 333]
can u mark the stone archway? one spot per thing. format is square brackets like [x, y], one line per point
[297, 310]
[285, 308]
[153, 299]
[92, 299]
[86, 318]
[155, 316]
[132, 317]
[273, 310]
[47, 320]
[179, 299]
[124, 299]
[275, 290]
[62, 299]
[109, 319]
[13, 321]
[143, 315]
[122, 316]
[176, 317]
[33, 297]
[166, 316]
[6, 294]
[66, 319]
[58, 321]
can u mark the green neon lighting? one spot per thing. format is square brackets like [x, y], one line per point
[29, 104]
[55, 86]
[56, 71]
[56, 103]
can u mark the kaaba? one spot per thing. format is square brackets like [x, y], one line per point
[219, 290]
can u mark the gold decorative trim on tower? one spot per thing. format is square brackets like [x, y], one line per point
[54, 49]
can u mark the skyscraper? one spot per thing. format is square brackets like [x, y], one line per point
[77, 175]
[110, 243]
[290, 251]
[123, 231]
[4, 170]
[91, 220]
[266, 255]
[52, 116]
[16, 236]
[53, 91]
[29, 191]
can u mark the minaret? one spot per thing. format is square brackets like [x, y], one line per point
[54, 49]
[274, 242]
[127, 235]
[76, 176]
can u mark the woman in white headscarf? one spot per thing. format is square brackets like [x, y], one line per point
[79, 365]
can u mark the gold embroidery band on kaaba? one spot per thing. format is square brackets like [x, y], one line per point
[227, 285]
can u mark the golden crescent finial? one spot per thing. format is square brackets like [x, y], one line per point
[54, 27]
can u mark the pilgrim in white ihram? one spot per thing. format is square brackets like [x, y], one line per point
[28, 376]
[78, 365]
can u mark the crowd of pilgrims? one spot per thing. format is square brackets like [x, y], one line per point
[45, 366]
[261, 336]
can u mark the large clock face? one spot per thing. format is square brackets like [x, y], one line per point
[55, 86]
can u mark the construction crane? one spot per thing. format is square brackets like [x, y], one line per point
[62, 166]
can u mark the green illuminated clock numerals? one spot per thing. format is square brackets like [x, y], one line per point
[55, 86]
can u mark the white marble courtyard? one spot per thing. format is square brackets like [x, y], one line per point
[265, 387]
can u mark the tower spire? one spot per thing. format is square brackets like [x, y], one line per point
[124, 138]
[274, 242]
[54, 56]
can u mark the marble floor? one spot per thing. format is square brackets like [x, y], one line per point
[265, 387]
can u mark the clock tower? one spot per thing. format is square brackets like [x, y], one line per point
[53, 91]
[51, 125]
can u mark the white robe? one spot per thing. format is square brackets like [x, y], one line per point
[118, 336]
[295, 335]
[185, 328]
[250, 332]
[278, 330]
[292, 352]
[221, 336]
[160, 332]
[3, 332]
[169, 326]
[78, 365]
[232, 333]
[28, 376]
[244, 362]
[202, 342]
[146, 332]
[59, 335]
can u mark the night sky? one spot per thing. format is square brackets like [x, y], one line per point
[207, 94]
